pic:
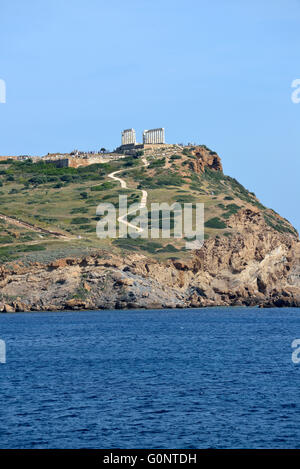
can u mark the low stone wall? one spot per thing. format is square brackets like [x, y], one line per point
[4, 158]
[73, 162]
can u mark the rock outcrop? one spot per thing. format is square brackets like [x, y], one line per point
[256, 266]
[205, 158]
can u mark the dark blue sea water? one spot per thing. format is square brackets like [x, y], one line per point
[205, 378]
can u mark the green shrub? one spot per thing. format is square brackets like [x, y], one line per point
[79, 221]
[133, 244]
[157, 163]
[38, 180]
[6, 239]
[105, 186]
[168, 248]
[78, 210]
[175, 157]
[87, 228]
[230, 210]
[215, 223]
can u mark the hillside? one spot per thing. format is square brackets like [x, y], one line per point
[64, 201]
[48, 215]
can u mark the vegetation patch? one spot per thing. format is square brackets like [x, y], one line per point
[215, 223]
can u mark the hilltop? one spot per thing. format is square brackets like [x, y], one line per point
[52, 259]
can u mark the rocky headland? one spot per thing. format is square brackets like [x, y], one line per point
[257, 266]
[254, 262]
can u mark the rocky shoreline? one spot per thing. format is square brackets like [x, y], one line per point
[257, 266]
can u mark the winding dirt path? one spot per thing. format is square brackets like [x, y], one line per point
[62, 236]
[143, 202]
[121, 181]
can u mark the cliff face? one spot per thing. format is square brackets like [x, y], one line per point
[205, 158]
[257, 266]
[251, 256]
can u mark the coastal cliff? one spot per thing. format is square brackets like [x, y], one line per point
[251, 255]
[257, 266]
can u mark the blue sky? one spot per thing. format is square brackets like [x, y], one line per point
[212, 72]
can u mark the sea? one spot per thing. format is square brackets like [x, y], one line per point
[157, 379]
